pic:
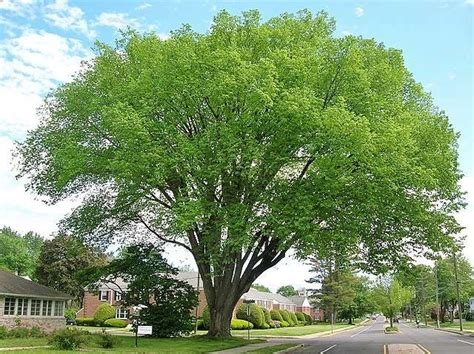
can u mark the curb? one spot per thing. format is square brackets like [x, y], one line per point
[289, 350]
[469, 334]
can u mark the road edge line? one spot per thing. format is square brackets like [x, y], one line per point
[327, 349]
[426, 351]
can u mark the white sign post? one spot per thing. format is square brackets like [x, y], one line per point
[144, 330]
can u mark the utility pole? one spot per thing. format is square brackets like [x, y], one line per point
[457, 290]
[437, 295]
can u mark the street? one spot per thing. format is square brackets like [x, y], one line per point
[370, 338]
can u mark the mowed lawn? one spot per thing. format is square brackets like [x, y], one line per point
[196, 344]
[292, 331]
[22, 342]
[467, 325]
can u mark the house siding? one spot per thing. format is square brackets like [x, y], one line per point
[47, 324]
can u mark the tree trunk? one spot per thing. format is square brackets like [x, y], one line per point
[220, 322]
[391, 321]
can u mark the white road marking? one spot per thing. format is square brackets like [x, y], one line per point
[459, 340]
[327, 349]
[424, 349]
[365, 329]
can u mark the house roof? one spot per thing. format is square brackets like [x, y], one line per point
[300, 300]
[254, 294]
[13, 285]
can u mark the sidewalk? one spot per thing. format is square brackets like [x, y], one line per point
[245, 348]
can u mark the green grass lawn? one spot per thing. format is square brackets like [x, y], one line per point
[127, 345]
[22, 342]
[467, 325]
[273, 348]
[112, 330]
[291, 331]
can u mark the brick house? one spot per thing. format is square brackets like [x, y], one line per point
[111, 293]
[26, 303]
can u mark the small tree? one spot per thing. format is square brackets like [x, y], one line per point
[103, 313]
[151, 281]
[390, 296]
[287, 290]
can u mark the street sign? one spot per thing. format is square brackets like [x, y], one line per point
[249, 301]
[144, 330]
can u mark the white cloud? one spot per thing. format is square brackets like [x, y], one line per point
[23, 8]
[30, 65]
[346, 33]
[61, 15]
[117, 20]
[451, 76]
[359, 11]
[143, 6]
[469, 2]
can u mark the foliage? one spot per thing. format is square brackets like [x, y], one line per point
[103, 313]
[300, 316]
[206, 317]
[86, 321]
[276, 315]
[19, 332]
[19, 253]
[293, 317]
[245, 141]
[107, 341]
[256, 316]
[60, 262]
[287, 290]
[261, 288]
[308, 319]
[240, 324]
[3, 332]
[266, 315]
[115, 322]
[390, 296]
[68, 339]
[70, 313]
[285, 323]
[285, 314]
[151, 282]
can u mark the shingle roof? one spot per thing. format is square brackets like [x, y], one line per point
[298, 300]
[260, 295]
[11, 284]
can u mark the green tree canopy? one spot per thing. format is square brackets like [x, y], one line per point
[60, 262]
[390, 296]
[245, 141]
[19, 253]
[287, 290]
[261, 288]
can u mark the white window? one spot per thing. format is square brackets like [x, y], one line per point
[121, 313]
[35, 307]
[58, 308]
[9, 307]
[47, 305]
[22, 307]
[103, 295]
[119, 295]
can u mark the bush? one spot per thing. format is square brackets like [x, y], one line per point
[19, 332]
[68, 339]
[70, 313]
[293, 318]
[3, 332]
[276, 315]
[265, 325]
[286, 317]
[115, 322]
[284, 324]
[107, 341]
[103, 313]
[308, 319]
[37, 332]
[256, 315]
[300, 316]
[266, 316]
[206, 318]
[85, 321]
[200, 323]
[240, 324]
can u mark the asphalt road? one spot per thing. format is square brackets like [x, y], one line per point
[370, 338]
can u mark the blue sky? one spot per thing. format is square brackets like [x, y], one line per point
[43, 42]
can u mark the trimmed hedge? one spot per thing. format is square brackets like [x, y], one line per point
[293, 318]
[266, 316]
[256, 315]
[300, 316]
[285, 314]
[21, 332]
[308, 319]
[85, 321]
[240, 324]
[103, 313]
[284, 324]
[115, 322]
[276, 315]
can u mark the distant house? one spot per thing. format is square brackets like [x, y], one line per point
[29, 304]
[471, 305]
[112, 293]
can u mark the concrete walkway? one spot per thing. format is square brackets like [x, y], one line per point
[245, 348]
